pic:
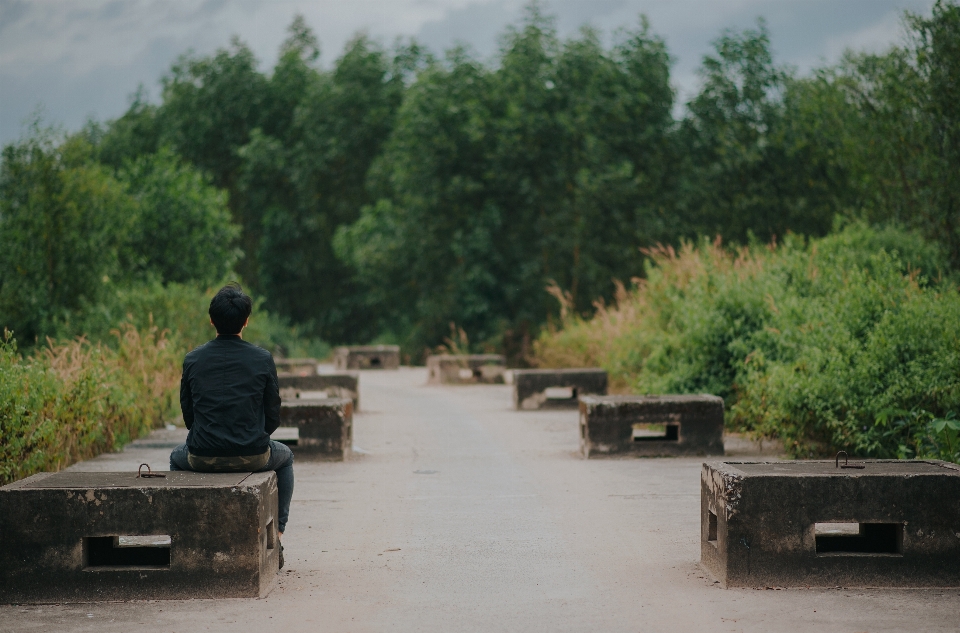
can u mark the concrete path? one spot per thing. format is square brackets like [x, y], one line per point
[463, 515]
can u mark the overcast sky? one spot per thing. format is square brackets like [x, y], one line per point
[80, 59]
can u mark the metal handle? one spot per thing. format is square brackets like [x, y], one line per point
[149, 473]
[846, 461]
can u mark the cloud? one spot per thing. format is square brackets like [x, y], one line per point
[83, 59]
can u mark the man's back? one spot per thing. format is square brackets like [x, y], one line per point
[229, 397]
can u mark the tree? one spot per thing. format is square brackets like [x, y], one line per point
[747, 171]
[210, 107]
[183, 230]
[495, 182]
[318, 174]
[134, 134]
[63, 221]
[937, 50]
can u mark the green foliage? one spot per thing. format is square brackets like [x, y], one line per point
[72, 230]
[939, 439]
[134, 134]
[813, 343]
[183, 230]
[311, 180]
[63, 221]
[750, 166]
[210, 105]
[180, 310]
[496, 180]
[887, 126]
[395, 193]
[71, 401]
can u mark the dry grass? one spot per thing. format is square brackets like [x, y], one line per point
[618, 336]
[73, 400]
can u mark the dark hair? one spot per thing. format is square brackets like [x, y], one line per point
[230, 308]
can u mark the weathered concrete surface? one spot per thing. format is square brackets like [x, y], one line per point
[338, 385]
[367, 357]
[298, 366]
[691, 425]
[465, 369]
[500, 526]
[325, 426]
[530, 386]
[76, 536]
[890, 523]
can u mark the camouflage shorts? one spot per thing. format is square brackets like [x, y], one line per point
[240, 464]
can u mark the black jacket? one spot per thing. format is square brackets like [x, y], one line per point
[229, 397]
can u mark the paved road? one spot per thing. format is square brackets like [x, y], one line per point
[463, 515]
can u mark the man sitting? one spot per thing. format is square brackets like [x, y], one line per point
[231, 404]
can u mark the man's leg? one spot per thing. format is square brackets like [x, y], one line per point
[178, 458]
[281, 460]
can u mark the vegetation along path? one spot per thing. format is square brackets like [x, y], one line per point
[461, 514]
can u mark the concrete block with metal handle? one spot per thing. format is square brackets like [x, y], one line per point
[875, 523]
[94, 536]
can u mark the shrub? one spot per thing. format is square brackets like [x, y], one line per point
[848, 342]
[181, 310]
[70, 401]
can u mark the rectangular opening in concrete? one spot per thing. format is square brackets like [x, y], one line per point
[560, 393]
[850, 537]
[289, 435]
[312, 395]
[151, 552]
[712, 527]
[656, 432]
[271, 535]
[375, 361]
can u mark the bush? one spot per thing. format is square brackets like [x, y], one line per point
[848, 342]
[71, 401]
[181, 309]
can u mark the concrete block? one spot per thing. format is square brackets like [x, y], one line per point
[367, 357]
[809, 523]
[95, 536]
[298, 366]
[553, 388]
[651, 426]
[466, 369]
[340, 385]
[325, 426]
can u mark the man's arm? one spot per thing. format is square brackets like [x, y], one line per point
[271, 400]
[186, 398]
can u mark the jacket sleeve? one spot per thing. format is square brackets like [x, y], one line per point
[186, 398]
[271, 400]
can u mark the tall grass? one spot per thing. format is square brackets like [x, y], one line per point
[76, 397]
[848, 342]
[70, 401]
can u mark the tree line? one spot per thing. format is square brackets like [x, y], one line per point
[399, 192]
